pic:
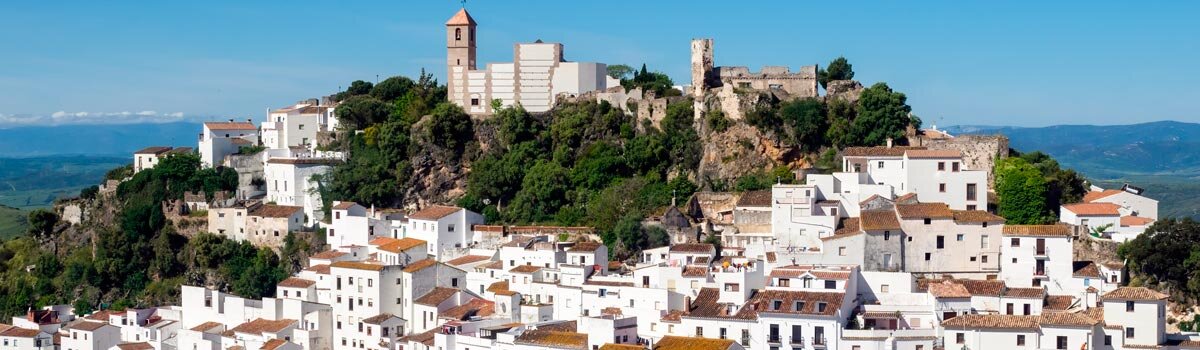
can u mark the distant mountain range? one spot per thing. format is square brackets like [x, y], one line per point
[104, 140]
[1165, 148]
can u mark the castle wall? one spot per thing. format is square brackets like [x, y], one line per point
[979, 151]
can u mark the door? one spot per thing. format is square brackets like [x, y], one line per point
[1041, 246]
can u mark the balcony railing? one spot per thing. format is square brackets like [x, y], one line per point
[1039, 272]
[797, 341]
[773, 338]
[819, 342]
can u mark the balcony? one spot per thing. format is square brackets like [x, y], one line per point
[774, 339]
[819, 342]
[797, 342]
[1040, 253]
[1039, 273]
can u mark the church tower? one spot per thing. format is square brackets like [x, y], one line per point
[460, 55]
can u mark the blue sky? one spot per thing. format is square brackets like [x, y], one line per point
[996, 63]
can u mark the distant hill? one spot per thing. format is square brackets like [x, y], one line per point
[36, 181]
[1165, 148]
[12, 222]
[1161, 156]
[109, 140]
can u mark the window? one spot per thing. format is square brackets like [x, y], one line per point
[960, 237]
[331, 234]
[960, 338]
[954, 166]
[745, 337]
[971, 195]
[927, 256]
[1016, 242]
[457, 33]
[983, 259]
[942, 188]
[842, 251]
[454, 282]
[723, 334]
[1026, 310]
[1108, 340]
[884, 288]
[972, 259]
[941, 166]
[773, 334]
[880, 165]
[973, 207]
[983, 242]
[731, 287]
[820, 307]
[776, 304]
[941, 241]
[1128, 306]
[1020, 340]
[1062, 343]
[699, 331]
[887, 235]
[928, 221]
[1128, 332]
[830, 284]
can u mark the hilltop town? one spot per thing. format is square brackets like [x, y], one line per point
[546, 203]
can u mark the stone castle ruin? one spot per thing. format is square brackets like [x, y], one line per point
[978, 151]
[736, 89]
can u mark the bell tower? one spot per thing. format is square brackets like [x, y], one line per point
[460, 54]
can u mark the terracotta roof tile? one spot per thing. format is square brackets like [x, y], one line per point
[18, 332]
[1025, 293]
[322, 269]
[401, 245]
[344, 205]
[206, 326]
[611, 346]
[671, 342]
[975, 216]
[434, 212]
[423, 337]
[436, 296]
[1128, 221]
[880, 151]
[948, 289]
[976, 321]
[500, 288]
[153, 150]
[1134, 293]
[1094, 195]
[260, 325]
[488, 228]
[924, 210]
[692, 248]
[295, 282]
[1059, 318]
[694, 271]
[273, 344]
[585, 247]
[1059, 302]
[1093, 209]
[475, 307]
[135, 346]
[1037, 230]
[553, 338]
[755, 199]
[328, 254]
[461, 18]
[276, 211]
[878, 220]
[87, 325]
[467, 259]
[419, 265]
[357, 265]
[1086, 269]
[525, 269]
[229, 126]
[809, 302]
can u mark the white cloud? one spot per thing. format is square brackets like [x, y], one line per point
[74, 118]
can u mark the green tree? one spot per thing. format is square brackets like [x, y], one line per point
[359, 112]
[1022, 192]
[838, 69]
[358, 87]
[805, 123]
[841, 114]
[882, 114]
[392, 88]
[41, 223]
[450, 127]
[716, 120]
[543, 193]
[620, 71]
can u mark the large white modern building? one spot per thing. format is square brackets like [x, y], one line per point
[537, 74]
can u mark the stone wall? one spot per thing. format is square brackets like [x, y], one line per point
[979, 151]
[248, 167]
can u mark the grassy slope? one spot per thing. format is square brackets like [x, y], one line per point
[12, 222]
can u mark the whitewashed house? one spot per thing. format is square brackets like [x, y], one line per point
[446, 228]
[220, 139]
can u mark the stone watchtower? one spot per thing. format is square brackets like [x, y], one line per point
[702, 65]
[460, 55]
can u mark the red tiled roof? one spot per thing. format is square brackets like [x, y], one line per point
[1093, 209]
[319, 268]
[933, 153]
[295, 282]
[344, 205]
[1127, 221]
[977, 321]
[153, 150]
[475, 307]
[671, 342]
[434, 212]
[87, 325]
[401, 245]
[585, 247]
[273, 344]
[924, 210]
[879, 151]
[204, 327]
[1134, 293]
[948, 289]
[1086, 269]
[260, 325]
[436, 296]
[975, 216]
[467, 259]
[328, 254]
[135, 346]
[461, 18]
[692, 248]
[230, 126]
[878, 220]
[1026, 293]
[755, 199]
[419, 265]
[276, 211]
[1094, 195]
[1059, 302]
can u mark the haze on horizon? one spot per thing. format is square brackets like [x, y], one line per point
[1023, 64]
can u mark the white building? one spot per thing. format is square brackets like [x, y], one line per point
[290, 181]
[220, 139]
[1038, 256]
[538, 74]
[148, 157]
[352, 224]
[297, 125]
[446, 228]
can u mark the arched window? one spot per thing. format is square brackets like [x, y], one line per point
[457, 33]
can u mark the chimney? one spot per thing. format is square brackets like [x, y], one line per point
[687, 303]
[230, 120]
[249, 120]
[889, 142]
